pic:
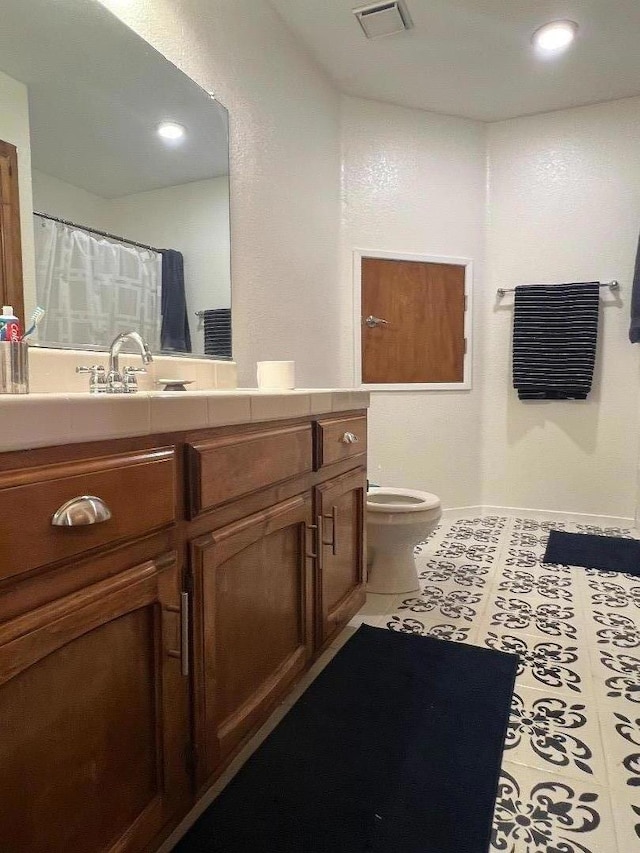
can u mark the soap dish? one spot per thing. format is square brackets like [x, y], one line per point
[174, 384]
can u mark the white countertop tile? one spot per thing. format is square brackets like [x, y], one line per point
[40, 420]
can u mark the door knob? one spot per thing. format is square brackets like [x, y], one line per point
[372, 321]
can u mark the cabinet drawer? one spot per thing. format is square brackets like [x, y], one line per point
[341, 438]
[139, 490]
[223, 469]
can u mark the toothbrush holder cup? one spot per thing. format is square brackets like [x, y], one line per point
[14, 367]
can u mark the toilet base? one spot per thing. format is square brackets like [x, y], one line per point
[392, 571]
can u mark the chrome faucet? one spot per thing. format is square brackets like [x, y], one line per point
[115, 382]
[125, 382]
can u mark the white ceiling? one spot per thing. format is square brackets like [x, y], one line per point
[97, 92]
[474, 58]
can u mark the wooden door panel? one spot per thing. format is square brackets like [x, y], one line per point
[93, 711]
[253, 630]
[424, 305]
[340, 577]
[10, 240]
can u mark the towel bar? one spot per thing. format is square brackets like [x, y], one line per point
[612, 285]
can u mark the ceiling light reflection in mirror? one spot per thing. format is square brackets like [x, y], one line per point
[114, 139]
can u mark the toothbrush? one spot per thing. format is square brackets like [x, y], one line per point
[37, 315]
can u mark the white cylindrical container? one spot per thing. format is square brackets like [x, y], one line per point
[277, 375]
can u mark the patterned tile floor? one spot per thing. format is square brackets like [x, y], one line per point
[571, 766]
[570, 778]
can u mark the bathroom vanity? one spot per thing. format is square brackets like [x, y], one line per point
[170, 563]
[138, 653]
[149, 631]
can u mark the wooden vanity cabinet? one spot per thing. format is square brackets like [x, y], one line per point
[253, 623]
[340, 592]
[94, 717]
[270, 587]
[139, 654]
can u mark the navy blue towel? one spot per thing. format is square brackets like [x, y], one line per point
[174, 332]
[555, 331]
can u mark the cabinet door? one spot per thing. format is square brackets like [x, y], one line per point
[253, 629]
[94, 717]
[340, 573]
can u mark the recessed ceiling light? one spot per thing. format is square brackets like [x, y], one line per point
[556, 36]
[171, 130]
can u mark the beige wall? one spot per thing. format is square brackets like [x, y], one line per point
[66, 201]
[564, 205]
[415, 182]
[285, 168]
[194, 219]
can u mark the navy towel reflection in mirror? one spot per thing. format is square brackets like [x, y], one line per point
[217, 331]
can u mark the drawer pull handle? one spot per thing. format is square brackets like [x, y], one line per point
[78, 512]
[350, 438]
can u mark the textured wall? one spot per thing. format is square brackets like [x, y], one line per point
[285, 170]
[564, 206]
[415, 182]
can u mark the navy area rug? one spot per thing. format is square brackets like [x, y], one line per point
[395, 748]
[610, 553]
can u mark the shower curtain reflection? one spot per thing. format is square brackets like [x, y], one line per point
[93, 288]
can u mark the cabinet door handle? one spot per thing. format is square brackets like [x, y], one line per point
[333, 517]
[183, 652]
[80, 511]
[184, 631]
[313, 555]
[350, 438]
[320, 541]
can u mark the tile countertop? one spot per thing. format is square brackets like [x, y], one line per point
[40, 420]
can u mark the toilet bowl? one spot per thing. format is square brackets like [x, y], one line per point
[397, 520]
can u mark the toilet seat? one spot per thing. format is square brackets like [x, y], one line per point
[380, 499]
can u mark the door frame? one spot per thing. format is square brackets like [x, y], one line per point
[467, 263]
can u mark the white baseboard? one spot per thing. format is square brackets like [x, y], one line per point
[462, 512]
[540, 515]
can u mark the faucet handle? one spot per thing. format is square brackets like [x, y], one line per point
[98, 381]
[129, 379]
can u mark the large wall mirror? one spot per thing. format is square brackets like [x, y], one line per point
[123, 184]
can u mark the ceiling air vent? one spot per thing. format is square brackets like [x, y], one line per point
[383, 19]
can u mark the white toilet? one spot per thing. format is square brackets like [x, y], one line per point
[397, 520]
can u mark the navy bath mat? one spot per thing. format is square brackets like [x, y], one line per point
[611, 553]
[395, 748]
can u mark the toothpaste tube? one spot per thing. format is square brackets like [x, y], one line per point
[9, 325]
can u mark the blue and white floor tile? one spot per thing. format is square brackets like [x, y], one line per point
[571, 766]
